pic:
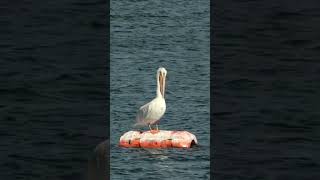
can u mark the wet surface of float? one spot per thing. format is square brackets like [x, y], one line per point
[158, 139]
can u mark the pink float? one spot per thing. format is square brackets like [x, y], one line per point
[158, 139]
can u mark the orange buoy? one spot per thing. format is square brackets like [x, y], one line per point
[158, 139]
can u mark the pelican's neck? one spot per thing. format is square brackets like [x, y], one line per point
[158, 86]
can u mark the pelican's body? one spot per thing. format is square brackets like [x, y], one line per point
[152, 112]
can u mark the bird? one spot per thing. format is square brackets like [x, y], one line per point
[151, 113]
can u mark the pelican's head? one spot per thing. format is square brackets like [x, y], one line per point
[161, 75]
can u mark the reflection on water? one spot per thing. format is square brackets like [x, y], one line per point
[157, 154]
[98, 162]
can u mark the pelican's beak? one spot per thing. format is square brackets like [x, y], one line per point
[163, 84]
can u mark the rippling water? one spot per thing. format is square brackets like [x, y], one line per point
[266, 89]
[52, 87]
[144, 36]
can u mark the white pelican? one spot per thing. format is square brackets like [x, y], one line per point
[151, 112]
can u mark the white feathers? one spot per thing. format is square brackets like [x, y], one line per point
[152, 112]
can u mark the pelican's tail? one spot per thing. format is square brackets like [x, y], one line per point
[139, 124]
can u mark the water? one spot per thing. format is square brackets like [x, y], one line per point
[266, 90]
[53, 95]
[144, 36]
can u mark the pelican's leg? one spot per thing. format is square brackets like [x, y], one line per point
[150, 127]
[157, 127]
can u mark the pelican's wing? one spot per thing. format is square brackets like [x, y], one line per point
[142, 114]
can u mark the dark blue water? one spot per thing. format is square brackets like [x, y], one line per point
[53, 95]
[144, 36]
[266, 89]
